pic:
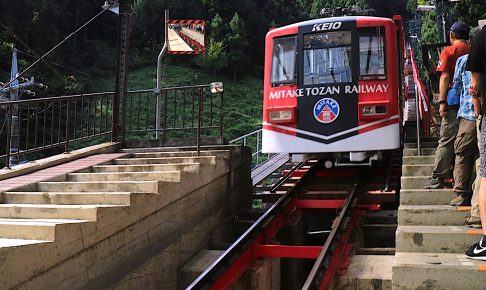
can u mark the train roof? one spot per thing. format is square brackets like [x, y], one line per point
[330, 19]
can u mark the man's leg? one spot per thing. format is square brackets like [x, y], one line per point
[465, 150]
[444, 154]
[474, 220]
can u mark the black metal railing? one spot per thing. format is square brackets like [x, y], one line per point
[39, 125]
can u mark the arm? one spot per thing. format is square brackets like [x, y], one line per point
[443, 87]
[475, 81]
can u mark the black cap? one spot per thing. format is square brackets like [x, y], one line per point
[460, 29]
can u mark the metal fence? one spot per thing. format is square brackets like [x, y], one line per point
[54, 124]
[254, 141]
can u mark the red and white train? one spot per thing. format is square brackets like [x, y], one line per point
[332, 87]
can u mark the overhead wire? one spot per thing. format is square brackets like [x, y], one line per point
[65, 67]
[11, 32]
[62, 42]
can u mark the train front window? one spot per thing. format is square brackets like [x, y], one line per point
[372, 53]
[283, 61]
[327, 58]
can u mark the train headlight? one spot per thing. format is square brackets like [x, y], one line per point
[281, 115]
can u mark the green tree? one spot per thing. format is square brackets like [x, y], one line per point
[238, 44]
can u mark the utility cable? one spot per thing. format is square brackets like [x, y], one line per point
[30, 49]
[63, 66]
[60, 43]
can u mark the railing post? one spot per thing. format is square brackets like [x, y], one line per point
[199, 121]
[417, 112]
[258, 147]
[66, 145]
[9, 131]
[221, 121]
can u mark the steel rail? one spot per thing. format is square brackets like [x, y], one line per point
[316, 275]
[224, 262]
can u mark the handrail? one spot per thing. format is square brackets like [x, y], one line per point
[35, 125]
[258, 157]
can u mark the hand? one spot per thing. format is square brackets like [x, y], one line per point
[473, 91]
[443, 109]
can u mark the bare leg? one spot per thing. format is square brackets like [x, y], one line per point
[482, 203]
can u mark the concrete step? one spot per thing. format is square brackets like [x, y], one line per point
[14, 243]
[436, 239]
[428, 144]
[176, 154]
[426, 196]
[100, 186]
[433, 215]
[49, 211]
[424, 151]
[167, 160]
[415, 182]
[185, 167]
[417, 170]
[418, 160]
[366, 272]
[32, 229]
[437, 271]
[171, 176]
[109, 198]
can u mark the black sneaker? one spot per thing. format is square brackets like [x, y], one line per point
[434, 183]
[476, 252]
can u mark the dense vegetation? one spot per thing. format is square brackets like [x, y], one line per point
[235, 39]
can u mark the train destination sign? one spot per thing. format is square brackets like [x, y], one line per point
[186, 36]
[330, 90]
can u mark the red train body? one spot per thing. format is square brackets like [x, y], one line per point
[332, 85]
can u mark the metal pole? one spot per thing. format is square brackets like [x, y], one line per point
[417, 112]
[159, 76]
[9, 130]
[118, 121]
[66, 145]
[199, 122]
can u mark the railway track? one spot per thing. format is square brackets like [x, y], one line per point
[327, 205]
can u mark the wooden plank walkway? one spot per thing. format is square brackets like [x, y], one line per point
[51, 172]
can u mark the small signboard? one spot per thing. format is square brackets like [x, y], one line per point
[186, 36]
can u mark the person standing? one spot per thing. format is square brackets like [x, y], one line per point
[444, 153]
[477, 65]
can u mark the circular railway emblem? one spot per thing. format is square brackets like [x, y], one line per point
[326, 110]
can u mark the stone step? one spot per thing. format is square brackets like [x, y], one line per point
[415, 182]
[49, 211]
[14, 243]
[426, 196]
[176, 154]
[171, 176]
[436, 239]
[424, 151]
[32, 229]
[167, 160]
[428, 144]
[418, 160]
[109, 198]
[437, 271]
[100, 186]
[417, 170]
[433, 215]
[185, 167]
[366, 272]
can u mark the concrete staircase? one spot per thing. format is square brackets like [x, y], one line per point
[100, 226]
[431, 237]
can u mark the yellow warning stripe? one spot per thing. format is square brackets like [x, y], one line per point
[463, 208]
[474, 232]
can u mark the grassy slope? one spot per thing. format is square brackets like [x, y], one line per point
[243, 99]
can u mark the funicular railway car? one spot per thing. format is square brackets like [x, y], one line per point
[331, 89]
